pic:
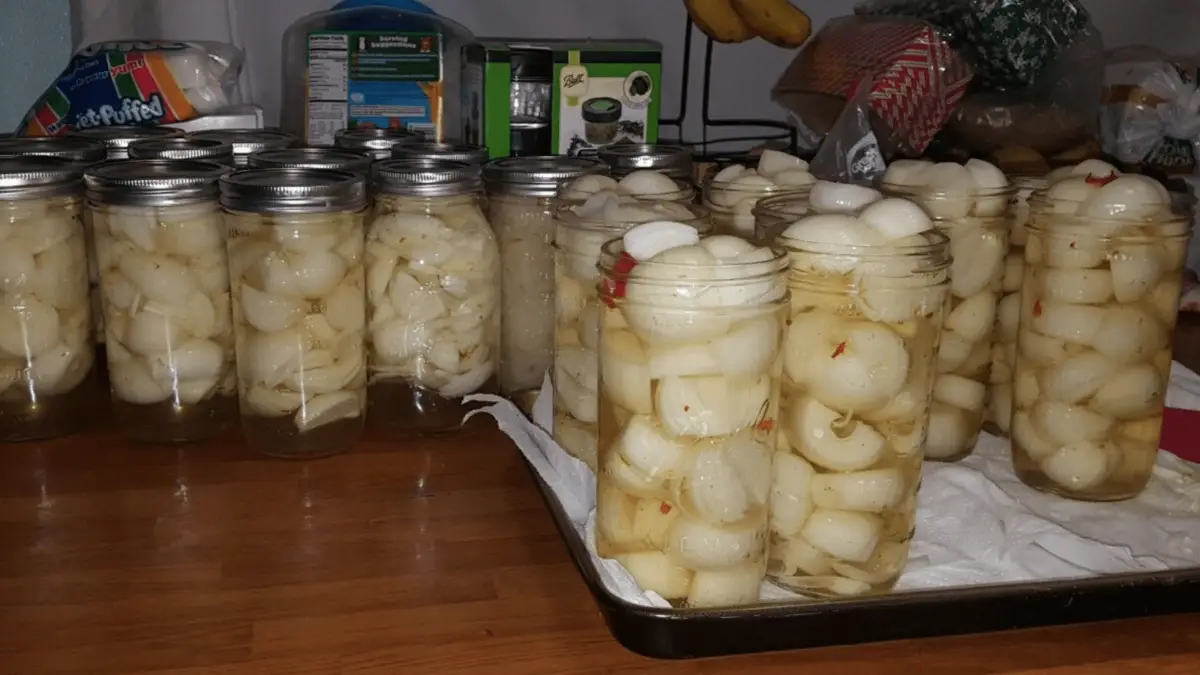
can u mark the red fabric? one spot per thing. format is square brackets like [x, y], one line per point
[1181, 433]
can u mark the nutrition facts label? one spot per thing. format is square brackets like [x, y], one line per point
[328, 86]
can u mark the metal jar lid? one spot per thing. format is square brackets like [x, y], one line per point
[537, 176]
[248, 141]
[625, 158]
[74, 148]
[117, 138]
[182, 148]
[377, 143]
[445, 152]
[153, 182]
[37, 177]
[426, 178]
[328, 159]
[293, 190]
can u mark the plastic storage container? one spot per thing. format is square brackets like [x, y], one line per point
[1100, 297]
[74, 148]
[689, 396]
[411, 66]
[165, 288]
[433, 295]
[377, 143]
[46, 354]
[521, 210]
[324, 159]
[295, 240]
[208, 150]
[625, 158]
[578, 238]
[445, 152]
[117, 139]
[859, 366]
[246, 142]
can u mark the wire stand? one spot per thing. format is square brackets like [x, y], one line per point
[703, 148]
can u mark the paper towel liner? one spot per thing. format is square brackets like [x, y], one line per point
[976, 522]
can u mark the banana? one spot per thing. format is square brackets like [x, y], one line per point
[718, 20]
[777, 21]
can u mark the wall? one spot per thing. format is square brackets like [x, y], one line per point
[35, 40]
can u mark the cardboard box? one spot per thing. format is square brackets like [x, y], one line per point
[601, 92]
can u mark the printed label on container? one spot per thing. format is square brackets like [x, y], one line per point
[362, 79]
[115, 84]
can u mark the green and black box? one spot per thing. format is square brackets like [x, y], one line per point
[600, 92]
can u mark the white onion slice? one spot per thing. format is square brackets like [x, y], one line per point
[872, 491]
[655, 571]
[725, 588]
[844, 535]
[699, 545]
[791, 501]
[1136, 391]
[853, 446]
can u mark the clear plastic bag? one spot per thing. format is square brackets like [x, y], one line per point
[1150, 116]
[142, 83]
[851, 152]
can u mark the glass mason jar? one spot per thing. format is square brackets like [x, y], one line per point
[690, 361]
[1098, 307]
[978, 224]
[521, 210]
[205, 149]
[732, 203]
[646, 185]
[164, 287]
[321, 159]
[577, 242]
[858, 380]
[772, 215]
[998, 416]
[246, 142]
[46, 354]
[442, 152]
[674, 161]
[116, 139]
[377, 143]
[433, 291]
[295, 239]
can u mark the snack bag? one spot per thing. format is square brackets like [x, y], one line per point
[136, 83]
[1150, 110]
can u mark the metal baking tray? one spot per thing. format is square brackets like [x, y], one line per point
[696, 633]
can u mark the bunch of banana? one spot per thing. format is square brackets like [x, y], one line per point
[776, 21]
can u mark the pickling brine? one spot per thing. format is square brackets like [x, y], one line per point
[972, 204]
[732, 193]
[581, 232]
[47, 384]
[868, 296]
[689, 367]
[1099, 300]
[295, 240]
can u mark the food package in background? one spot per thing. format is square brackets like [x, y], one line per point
[1150, 110]
[136, 83]
[1009, 43]
[916, 79]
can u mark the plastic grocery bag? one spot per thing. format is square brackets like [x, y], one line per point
[851, 152]
[137, 83]
[1150, 116]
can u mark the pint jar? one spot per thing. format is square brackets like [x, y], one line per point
[378, 143]
[205, 149]
[1099, 300]
[772, 215]
[295, 239]
[322, 159]
[732, 199]
[998, 417]
[859, 368]
[46, 354]
[645, 185]
[246, 142]
[433, 290]
[116, 139]
[164, 287]
[690, 357]
[521, 210]
[441, 152]
[673, 161]
[977, 218]
[579, 234]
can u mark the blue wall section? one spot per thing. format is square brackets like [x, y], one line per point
[35, 41]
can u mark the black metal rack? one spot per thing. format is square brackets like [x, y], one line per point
[704, 148]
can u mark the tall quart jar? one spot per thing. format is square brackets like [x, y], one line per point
[972, 204]
[46, 353]
[578, 237]
[295, 239]
[1099, 300]
[164, 286]
[998, 417]
[206, 149]
[320, 159]
[673, 161]
[859, 367]
[690, 360]
[433, 290]
[521, 210]
[246, 142]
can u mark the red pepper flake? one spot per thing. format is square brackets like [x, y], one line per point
[839, 350]
[1037, 307]
[687, 408]
[664, 508]
[1101, 181]
[1072, 244]
[766, 425]
[614, 287]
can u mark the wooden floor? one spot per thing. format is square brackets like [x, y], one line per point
[425, 557]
